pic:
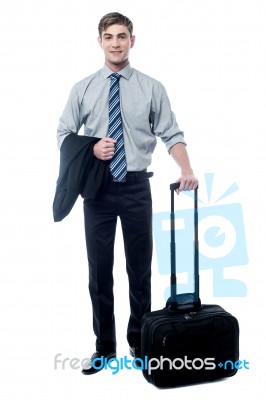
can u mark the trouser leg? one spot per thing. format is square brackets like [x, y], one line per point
[100, 226]
[136, 221]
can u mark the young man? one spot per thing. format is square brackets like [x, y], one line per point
[127, 110]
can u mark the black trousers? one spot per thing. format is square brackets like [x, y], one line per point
[131, 202]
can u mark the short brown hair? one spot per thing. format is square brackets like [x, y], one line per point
[114, 18]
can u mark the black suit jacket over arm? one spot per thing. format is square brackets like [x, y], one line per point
[80, 173]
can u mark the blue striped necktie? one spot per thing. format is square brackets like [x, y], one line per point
[118, 165]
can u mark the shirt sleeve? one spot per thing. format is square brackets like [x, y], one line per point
[71, 120]
[163, 121]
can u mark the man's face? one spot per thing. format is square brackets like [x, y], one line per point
[116, 43]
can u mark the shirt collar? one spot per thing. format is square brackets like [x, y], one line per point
[126, 72]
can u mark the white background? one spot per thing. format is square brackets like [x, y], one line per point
[210, 55]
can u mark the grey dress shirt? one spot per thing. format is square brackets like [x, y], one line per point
[145, 109]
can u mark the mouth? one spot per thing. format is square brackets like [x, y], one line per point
[116, 53]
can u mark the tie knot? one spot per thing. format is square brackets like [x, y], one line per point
[115, 77]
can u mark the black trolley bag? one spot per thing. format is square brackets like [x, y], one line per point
[188, 342]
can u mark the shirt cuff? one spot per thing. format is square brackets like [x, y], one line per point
[177, 138]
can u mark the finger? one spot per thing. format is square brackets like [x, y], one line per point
[109, 140]
[192, 186]
[189, 186]
[107, 154]
[107, 157]
[110, 147]
[178, 189]
[182, 185]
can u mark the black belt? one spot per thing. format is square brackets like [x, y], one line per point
[135, 176]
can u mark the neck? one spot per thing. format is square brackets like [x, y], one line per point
[116, 67]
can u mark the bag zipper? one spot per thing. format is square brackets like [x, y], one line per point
[190, 315]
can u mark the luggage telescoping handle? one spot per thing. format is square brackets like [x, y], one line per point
[185, 300]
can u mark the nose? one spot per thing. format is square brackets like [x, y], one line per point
[115, 43]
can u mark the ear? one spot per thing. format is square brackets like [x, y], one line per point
[99, 39]
[132, 41]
